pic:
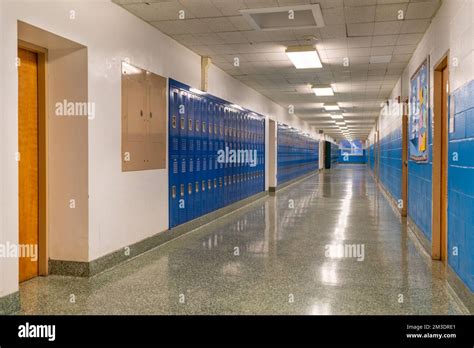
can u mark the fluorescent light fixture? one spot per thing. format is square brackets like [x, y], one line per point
[331, 107]
[304, 57]
[197, 91]
[337, 116]
[323, 91]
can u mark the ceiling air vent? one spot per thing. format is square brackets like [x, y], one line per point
[290, 17]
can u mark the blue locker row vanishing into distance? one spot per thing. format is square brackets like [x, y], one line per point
[216, 153]
[297, 153]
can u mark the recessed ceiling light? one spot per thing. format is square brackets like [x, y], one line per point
[304, 57]
[323, 91]
[331, 107]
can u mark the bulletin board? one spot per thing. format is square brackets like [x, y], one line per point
[419, 113]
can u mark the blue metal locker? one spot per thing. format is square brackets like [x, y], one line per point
[197, 157]
[226, 165]
[205, 147]
[232, 164]
[191, 158]
[220, 171]
[210, 157]
[174, 148]
[183, 158]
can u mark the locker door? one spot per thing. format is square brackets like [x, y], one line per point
[198, 155]
[247, 165]
[232, 163]
[183, 158]
[215, 179]
[174, 150]
[240, 164]
[191, 158]
[205, 141]
[226, 165]
[210, 158]
[220, 171]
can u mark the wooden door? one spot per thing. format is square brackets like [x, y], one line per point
[440, 161]
[29, 161]
[404, 160]
[444, 167]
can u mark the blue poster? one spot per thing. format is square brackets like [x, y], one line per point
[419, 114]
[352, 148]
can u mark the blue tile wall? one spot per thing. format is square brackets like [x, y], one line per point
[391, 162]
[461, 186]
[371, 157]
[297, 153]
[353, 159]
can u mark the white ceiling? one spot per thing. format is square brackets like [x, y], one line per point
[362, 30]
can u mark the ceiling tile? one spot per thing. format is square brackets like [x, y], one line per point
[361, 14]
[158, 11]
[390, 12]
[219, 24]
[359, 2]
[387, 28]
[384, 40]
[419, 10]
[360, 29]
[415, 26]
[232, 37]
[409, 39]
[200, 8]
[229, 8]
[333, 15]
[240, 23]
[362, 41]
[372, 31]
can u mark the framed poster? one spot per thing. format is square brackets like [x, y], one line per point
[419, 113]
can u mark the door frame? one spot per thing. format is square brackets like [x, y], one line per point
[404, 158]
[42, 55]
[439, 249]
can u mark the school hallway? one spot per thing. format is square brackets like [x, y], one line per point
[270, 257]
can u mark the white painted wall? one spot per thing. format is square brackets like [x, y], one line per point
[123, 207]
[451, 29]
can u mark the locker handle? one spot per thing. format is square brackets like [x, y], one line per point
[151, 115]
[141, 113]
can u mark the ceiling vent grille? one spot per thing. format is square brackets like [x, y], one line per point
[281, 18]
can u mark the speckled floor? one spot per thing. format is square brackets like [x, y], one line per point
[271, 258]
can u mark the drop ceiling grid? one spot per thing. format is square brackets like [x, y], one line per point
[356, 29]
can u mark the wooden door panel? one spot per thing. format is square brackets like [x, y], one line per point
[28, 164]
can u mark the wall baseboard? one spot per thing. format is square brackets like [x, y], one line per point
[461, 290]
[106, 262]
[10, 304]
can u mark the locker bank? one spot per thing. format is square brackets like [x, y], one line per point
[205, 156]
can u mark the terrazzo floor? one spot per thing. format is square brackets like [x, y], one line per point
[271, 257]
